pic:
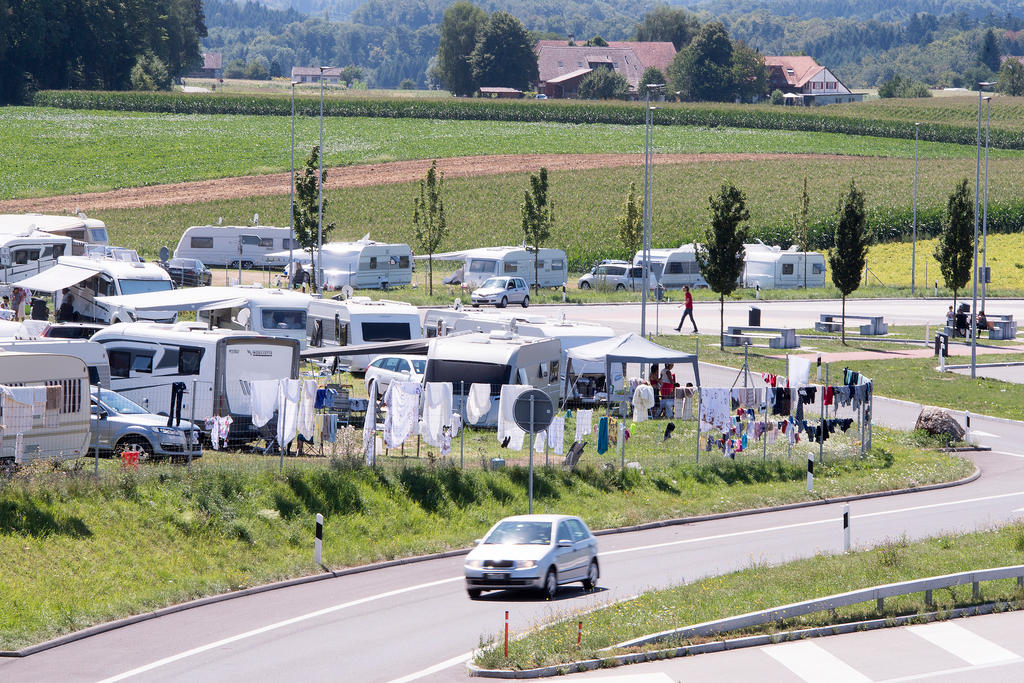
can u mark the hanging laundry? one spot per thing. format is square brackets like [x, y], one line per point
[437, 411]
[307, 400]
[17, 404]
[827, 395]
[780, 406]
[602, 436]
[683, 403]
[478, 403]
[19, 448]
[714, 409]
[330, 428]
[54, 402]
[808, 394]
[263, 400]
[325, 398]
[799, 371]
[770, 379]
[556, 435]
[403, 401]
[289, 391]
[370, 427]
[584, 424]
[507, 426]
[819, 367]
[643, 400]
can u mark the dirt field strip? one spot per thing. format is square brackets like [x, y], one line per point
[362, 175]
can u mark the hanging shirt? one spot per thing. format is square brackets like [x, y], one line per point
[799, 371]
[584, 424]
[263, 400]
[370, 426]
[403, 401]
[643, 399]
[714, 409]
[556, 434]
[289, 391]
[437, 411]
[602, 436]
[307, 410]
[507, 426]
[478, 403]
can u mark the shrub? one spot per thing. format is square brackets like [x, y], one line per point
[777, 97]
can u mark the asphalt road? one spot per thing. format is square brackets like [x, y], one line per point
[415, 622]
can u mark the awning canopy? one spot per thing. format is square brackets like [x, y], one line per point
[412, 346]
[628, 348]
[56, 278]
[189, 299]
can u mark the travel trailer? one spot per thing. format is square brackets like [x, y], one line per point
[92, 354]
[101, 272]
[496, 358]
[776, 268]
[78, 228]
[480, 264]
[361, 265]
[225, 245]
[29, 253]
[674, 268]
[361, 320]
[216, 367]
[57, 431]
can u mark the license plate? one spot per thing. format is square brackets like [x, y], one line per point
[496, 576]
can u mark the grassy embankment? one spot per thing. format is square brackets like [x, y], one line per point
[761, 587]
[78, 550]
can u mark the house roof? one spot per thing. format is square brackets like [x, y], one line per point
[497, 90]
[569, 76]
[658, 54]
[315, 71]
[796, 70]
[559, 60]
[213, 60]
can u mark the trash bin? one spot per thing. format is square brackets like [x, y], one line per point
[754, 317]
[39, 309]
[942, 344]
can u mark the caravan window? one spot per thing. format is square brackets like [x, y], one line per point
[403, 261]
[482, 266]
[120, 363]
[189, 360]
[23, 256]
[557, 264]
[817, 268]
[468, 372]
[289, 243]
[144, 286]
[142, 363]
[100, 285]
[683, 268]
[266, 243]
[373, 263]
[201, 243]
[98, 235]
[511, 267]
[787, 268]
[283, 319]
[385, 331]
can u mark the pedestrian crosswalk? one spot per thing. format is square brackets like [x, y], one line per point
[963, 643]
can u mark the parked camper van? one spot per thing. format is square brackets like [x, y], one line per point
[361, 320]
[776, 268]
[92, 354]
[61, 432]
[78, 228]
[271, 312]
[361, 265]
[103, 271]
[674, 267]
[29, 253]
[147, 358]
[218, 245]
[495, 358]
[481, 264]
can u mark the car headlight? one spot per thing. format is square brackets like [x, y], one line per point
[475, 564]
[168, 431]
[526, 564]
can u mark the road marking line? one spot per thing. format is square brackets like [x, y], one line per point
[1015, 455]
[446, 664]
[1018, 510]
[660, 677]
[978, 432]
[813, 663]
[273, 627]
[944, 673]
[965, 644]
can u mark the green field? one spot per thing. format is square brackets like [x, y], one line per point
[45, 151]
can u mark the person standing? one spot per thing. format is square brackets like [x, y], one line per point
[667, 381]
[687, 310]
[19, 297]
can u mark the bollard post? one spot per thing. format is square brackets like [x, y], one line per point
[506, 634]
[319, 540]
[96, 462]
[810, 471]
[579, 635]
[942, 361]
[846, 528]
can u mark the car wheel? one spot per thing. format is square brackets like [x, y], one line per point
[584, 285]
[590, 583]
[246, 264]
[526, 301]
[474, 593]
[504, 302]
[620, 287]
[550, 588]
[126, 442]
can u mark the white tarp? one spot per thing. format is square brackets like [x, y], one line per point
[629, 348]
[189, 299]
[56, 278]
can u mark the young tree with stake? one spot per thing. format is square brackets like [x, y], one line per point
[955, 249]
[631, 223]
[428, 219]
[538, 218]
[847, 259]
[720, 255]
[307, 211]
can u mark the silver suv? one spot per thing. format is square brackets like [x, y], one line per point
[617, 275]
[119, 423]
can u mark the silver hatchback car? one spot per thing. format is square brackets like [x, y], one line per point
[502, 291]
[533, 552]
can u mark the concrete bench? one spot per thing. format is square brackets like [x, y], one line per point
[1003, 327]
[778, 337]
[875, 324]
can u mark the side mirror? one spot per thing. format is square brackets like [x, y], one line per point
[564, 543]
[99, 413]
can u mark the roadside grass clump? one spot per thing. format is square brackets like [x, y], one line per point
[762, 586]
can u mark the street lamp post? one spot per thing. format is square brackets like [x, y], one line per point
[319, 265]
[974, 284]
[913, 248]
[291, 202]
[984, 213]
[646, 249]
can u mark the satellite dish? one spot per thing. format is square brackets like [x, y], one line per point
[347, 291]
[457, 304]
[243, 317]
[165, 253]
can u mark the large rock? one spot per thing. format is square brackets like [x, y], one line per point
[938, 421]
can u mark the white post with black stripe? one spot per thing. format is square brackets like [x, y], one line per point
[810, 471]
[846, 528]
[318, 542]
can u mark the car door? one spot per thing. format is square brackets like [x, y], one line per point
[102, 429]
[567, 557]
[584, 543]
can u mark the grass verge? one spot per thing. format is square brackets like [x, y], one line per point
[79, 550]
[761, 587]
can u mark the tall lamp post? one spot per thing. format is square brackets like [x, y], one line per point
[984, 212]
[913, 248]
[318, 268]
[646, 249]
[974, 284]
[291, 209]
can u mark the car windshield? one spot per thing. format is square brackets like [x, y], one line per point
[520, 533]
[494, 283]
[118, 403]
[144, 286]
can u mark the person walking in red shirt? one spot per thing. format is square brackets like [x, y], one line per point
[687, 310]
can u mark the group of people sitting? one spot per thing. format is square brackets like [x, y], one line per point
[959, 321]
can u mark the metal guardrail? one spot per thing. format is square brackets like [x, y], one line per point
[876, 593]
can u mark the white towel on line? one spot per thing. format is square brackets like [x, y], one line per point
[478, 403]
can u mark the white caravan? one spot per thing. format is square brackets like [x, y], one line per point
[223, 245]
[485, 262]
[361, 320]
[102, 272]
[217, 365]
[78, 228]
[674, 268]
[61, 430]
[92, 354]
[29, 253]
[495, 358]
[361, 265]
[775, 268]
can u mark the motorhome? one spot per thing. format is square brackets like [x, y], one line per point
[216, 367]
[226, 245]
[29, 252]
[60, 430]
[674, 268]
[776, 268]
[361, 320]
[496, 358]
[364, 264]
[78, 228]
[103, 271]
[271, 312]
[92, 354]
[587, 378]
[485, 262]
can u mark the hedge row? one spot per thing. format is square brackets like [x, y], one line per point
[552, 111]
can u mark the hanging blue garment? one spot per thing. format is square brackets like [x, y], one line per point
[743, 442]
[602, 435]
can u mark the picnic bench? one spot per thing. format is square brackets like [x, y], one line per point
[778, 337]
[875, 324]
[1002, 327]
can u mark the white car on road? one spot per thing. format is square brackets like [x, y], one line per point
[383, 370]
[502, 291]
[533, 552]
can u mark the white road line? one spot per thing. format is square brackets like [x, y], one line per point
[659, 677]
[1015, 455]
[978, 432]
[965, 644]
[813, 663]
[273, 627]
[446, 664]
[945, 673]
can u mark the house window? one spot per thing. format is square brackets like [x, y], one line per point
[202, 243]
[579, 64]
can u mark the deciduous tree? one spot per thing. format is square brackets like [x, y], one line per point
[652, 75]
[847, 259]
[459, 28]
[307, 211]
[665, 23]
[428, 218]
[604, 84]
[955, 249]
[1011, 77]
[720, 255]
[504, 55]
[703, 71]
[538, 218]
